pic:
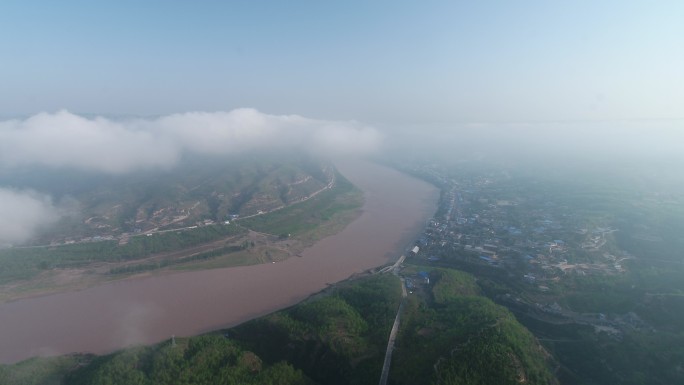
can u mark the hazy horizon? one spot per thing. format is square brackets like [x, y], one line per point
[115, 88]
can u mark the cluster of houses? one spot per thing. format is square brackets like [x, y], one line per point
[491, 220]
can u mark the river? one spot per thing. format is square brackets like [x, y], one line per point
[147, 310]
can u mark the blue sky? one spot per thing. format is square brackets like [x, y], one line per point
[381, 62]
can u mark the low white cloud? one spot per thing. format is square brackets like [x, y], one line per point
[66, 140]
[22, 213]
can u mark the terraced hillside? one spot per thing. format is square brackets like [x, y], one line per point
[199, 191]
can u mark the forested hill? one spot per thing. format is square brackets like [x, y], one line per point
[449, 335]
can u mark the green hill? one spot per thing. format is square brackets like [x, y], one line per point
[289, 194]
[452, 335]
[449, 335]
[197, 190]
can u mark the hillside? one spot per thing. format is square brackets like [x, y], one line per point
[450, 335]
[210, 359]
[300, 200]
[453, 335]
[198, 191]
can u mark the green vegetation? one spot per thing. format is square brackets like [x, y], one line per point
[647, 302]
[198, 189]
[24, 263]
[655, 294]
[339, 338]
[309, 215]
[137, 268]
[38, 371]
[451, 284]
[452, 335]
[590, 358]
[649, 347]
[210, 359]
[323, 214]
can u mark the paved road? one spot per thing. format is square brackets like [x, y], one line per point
[393, 268]
[392, 337]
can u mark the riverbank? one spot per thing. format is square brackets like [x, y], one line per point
[107, 317]
[267, 238]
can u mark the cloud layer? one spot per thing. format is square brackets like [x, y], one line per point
[68, 141]
[22, 213]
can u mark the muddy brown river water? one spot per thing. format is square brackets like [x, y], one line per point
[147, 310]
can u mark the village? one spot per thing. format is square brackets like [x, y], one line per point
[478, 217]
[535, 242]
